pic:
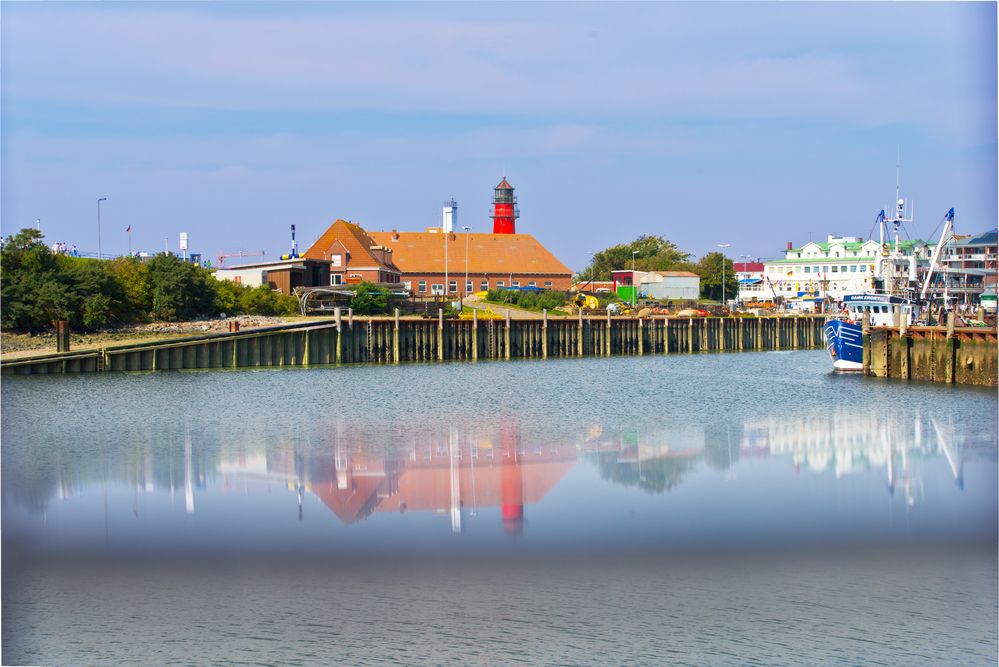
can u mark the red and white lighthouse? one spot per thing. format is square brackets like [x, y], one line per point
[505, 211]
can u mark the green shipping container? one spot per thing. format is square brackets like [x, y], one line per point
[626, 292]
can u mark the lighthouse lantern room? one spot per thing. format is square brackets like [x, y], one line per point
[505, 211]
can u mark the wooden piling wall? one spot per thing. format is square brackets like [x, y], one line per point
[394, 340]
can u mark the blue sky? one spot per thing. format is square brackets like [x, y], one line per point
[752, 124]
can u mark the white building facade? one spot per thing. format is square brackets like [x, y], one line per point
[838, 266]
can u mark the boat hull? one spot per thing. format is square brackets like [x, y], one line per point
[845, 343]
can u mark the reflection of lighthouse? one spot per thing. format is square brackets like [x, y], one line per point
[505, 211]
[511, 480]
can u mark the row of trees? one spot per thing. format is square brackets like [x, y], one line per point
[38, 287]
[654, 253]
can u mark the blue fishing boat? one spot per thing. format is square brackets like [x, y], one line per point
[843, 333]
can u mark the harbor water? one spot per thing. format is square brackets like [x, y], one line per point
[744, 508]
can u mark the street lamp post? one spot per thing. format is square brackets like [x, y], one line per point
[723, 246]
[99, 253]
[634, 287]
[467, 230]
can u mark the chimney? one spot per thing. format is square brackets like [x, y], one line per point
[789, 245]
[395, 235]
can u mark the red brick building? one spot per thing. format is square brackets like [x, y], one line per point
[353, 256]
[475, 262]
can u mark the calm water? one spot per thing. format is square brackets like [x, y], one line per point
[716, 509]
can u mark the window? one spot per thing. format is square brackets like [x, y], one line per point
[515, 283]
[843, 269]
[853, 269]
[863, 268]
[532, 284]
[548, 283]
[407, 285]
[437, 288]
[499, 283]
[238, 280]
[422, 286]
[835, 269]
[336, 260]
[452, 286]
[336, 279]
[808, 269]
[468, 286]
[484, 285]
[815, 269]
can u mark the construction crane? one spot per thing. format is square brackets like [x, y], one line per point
[226, 255]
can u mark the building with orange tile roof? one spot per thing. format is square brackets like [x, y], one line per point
[488, 260]
[353, 255]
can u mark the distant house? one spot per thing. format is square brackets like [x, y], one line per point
[284, 275]
[662, 285]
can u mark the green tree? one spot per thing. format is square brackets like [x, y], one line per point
[369, 299]
[180, 290]
[264, 301]
[33, 288]
[710, 270]
[132, 275]
[653, 253]
[96, 297]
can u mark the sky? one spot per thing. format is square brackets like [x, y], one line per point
[751, 124]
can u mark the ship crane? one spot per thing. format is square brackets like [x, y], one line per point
[945, 238]
[226, 255]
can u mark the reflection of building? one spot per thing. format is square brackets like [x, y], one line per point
[440, 470]
[845, 443]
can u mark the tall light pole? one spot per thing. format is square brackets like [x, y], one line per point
[99, 200]
[467, 230]
[723, 246]
[634, 286]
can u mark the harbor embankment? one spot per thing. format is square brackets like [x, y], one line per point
[947, 354]
[348, 339]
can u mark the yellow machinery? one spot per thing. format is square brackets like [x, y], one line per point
[585, 302]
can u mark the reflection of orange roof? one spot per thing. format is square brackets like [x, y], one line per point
[430, 488]
[353, 503]
[503, 185]
[423, 252]
[357, 242]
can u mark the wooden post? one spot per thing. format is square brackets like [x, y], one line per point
[350, 318]
[395, 339]
[865, 340]
[440, 334]
[339, 335]
[475, 335]
[690, 337]
[506, 335]
[949, 367]
[579, 337]
[903, 339]
[721, 334]
[544, 333]
[641, 343]
[62, 335]
[607, 337]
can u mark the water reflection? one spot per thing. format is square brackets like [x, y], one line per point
[459, 470]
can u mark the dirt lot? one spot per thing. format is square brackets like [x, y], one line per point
[14, 345]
